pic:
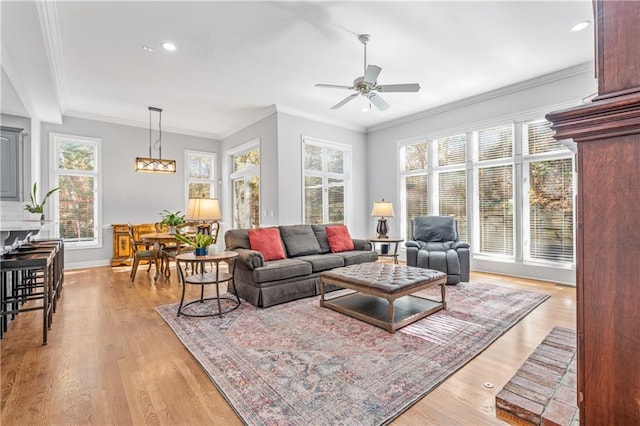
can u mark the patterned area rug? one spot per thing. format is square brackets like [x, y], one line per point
[300, 364]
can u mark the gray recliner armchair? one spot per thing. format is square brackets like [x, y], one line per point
[435, 245]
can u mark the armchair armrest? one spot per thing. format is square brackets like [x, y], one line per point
[412, 243]
[461, 244]
[250, 258]
[361, 244]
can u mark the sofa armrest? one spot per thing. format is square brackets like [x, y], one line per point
[461, 244]
[412, 243]
[250, 258]
[361, 245]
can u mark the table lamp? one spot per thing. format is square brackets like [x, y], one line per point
[204, 210]
[382, 209]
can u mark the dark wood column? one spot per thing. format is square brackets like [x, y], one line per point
[607, 132]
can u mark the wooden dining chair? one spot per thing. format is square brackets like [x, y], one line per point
[138, 254]
[168, 252]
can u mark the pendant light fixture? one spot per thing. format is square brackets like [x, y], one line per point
[150, 164]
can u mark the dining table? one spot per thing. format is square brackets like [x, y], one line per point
[158, 240]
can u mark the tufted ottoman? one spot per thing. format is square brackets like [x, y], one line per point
[384, 293]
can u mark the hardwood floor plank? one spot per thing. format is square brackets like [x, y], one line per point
[111, 359]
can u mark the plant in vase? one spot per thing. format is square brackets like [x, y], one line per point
[172, 219]
[200, 242]
[34, 206]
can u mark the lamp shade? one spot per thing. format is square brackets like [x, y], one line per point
[382, 209]
[203, 209]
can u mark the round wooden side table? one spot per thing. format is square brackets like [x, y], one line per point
[391, 240]
[192, 270]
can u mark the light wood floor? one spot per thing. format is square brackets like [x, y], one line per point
[112, 360]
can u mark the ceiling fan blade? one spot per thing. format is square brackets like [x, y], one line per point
[333, 86]
[344, 101]
[409, 87]
[378, 101]
[371, 75]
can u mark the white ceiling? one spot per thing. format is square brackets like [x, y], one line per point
[237, 59]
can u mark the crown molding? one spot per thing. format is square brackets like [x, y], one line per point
[584, 68]
[320, 119]
[134, 123]
[48, 16]
[262, 114]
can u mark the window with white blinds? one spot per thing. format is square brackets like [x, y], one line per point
[452, 190]
[325, 181]
[550, 233]
[416, 202]
[495, 193]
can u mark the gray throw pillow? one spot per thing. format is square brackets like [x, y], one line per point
[321, 235]
[299, 240]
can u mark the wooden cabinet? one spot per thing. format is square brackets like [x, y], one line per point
[607, 132]
[122, 251]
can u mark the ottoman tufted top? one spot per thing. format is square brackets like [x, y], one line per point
[387, 278]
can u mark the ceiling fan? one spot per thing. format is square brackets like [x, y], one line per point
[368, 86]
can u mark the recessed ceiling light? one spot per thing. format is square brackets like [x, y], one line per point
[147, 48]
[581, 26]
[168, 46]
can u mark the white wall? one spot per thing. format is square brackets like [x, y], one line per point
[291, 130]
[127, 196]
[537, 98]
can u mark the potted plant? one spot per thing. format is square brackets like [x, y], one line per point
[172, 219]
[34, 206]
[200, 242]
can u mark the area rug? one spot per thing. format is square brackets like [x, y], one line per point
[300, 364]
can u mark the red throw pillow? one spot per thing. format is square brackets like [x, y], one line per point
[267, 241]
[339, 238]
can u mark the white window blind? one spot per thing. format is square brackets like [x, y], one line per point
[416, 189]
[495, 143]
[414, 157]
[495, 202]
[551, 210]
[452, 189]
[539, 137]
[452, 150]
[551, 198]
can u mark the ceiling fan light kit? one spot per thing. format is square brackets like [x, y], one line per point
[367, 85]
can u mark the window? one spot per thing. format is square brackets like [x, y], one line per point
[494, 193]
[76, 170]
[549, 180]
[200, 174]
[325, 181]
[452, 180]
[245, 181]
[414, 160]
[437, 190]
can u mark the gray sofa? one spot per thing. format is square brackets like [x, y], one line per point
[266, 283]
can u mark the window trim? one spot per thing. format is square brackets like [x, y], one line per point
[54, 140]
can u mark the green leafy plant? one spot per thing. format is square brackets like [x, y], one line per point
[172, 218]
[36, 207]
[198, 241]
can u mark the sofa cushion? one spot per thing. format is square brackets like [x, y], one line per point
[339, 238]
[299, 240]
[323, 262]
[267, 241]
[357, 256]
[283, 269]
[321, 235]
